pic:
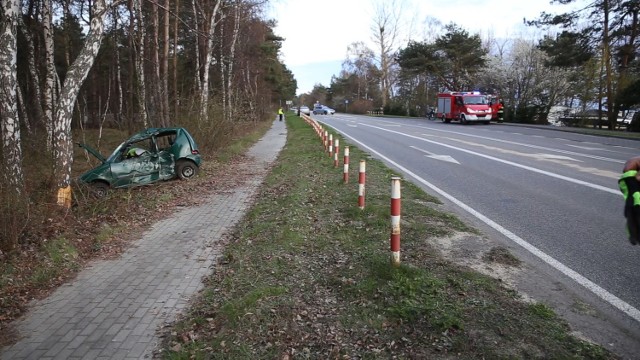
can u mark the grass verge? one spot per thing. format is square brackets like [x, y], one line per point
[308, 275]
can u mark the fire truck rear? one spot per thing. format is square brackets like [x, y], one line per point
[466, 107]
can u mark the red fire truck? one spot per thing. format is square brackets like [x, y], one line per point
[466, 107]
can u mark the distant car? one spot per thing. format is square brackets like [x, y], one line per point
[305, 110]
[323, 110]
[626, 117]
[149, 156]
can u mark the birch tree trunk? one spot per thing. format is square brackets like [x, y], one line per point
[208, 60]
[11, 143]
[50, 73]
[62, 144]
[34, 78]
[139, 60]
[223, 71]
[118, 65]
[165, 67]
[198, 79]
[176, 97]
[156, 105]
[232, 60]
[22, 111]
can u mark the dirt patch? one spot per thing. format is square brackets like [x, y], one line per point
[481, 255]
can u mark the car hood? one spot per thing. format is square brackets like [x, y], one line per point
[93, 152]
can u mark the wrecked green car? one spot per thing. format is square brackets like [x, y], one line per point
[151, 155]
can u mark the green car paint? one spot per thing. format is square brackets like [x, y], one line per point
[169, 153]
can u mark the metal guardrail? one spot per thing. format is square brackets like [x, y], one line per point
[375, 112]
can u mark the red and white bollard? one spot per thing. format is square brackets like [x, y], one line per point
[330, 145]
[395, 221]
[336, 152]
[325, 139]
[345, 172]
[361, 179]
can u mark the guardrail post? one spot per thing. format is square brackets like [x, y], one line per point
[395, 221]
[336, 152]
[361, 180]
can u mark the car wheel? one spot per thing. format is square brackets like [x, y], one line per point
[99, 189]
[463, 120]
[186, 169]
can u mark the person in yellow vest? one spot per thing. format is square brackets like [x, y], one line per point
[629, 184]
[135, 152]
[280, 114]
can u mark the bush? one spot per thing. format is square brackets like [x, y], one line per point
[360, 106]
[395, 109]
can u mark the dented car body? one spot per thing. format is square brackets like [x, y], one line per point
[159, 154]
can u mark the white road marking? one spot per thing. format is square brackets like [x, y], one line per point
[596, 157]
[585, 147]
[529, 168]
[575, 276]
[446, 158]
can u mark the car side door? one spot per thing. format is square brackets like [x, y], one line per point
[140, 170]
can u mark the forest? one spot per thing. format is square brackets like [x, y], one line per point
[72, 66]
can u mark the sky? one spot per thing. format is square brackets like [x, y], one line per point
[318, 32]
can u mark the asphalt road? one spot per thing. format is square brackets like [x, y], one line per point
[551, 195]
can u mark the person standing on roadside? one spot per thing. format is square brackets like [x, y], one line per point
[629, 184]
[280, 114]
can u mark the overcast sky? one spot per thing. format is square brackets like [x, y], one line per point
[318, 32]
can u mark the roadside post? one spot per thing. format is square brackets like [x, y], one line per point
[330, 145]
[361, 179]
[345, 172]
[395, 221]
[335, 153]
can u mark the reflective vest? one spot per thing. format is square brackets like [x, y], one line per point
[630, 189]
[134, 152]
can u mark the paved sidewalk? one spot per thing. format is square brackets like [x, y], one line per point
[114, 307]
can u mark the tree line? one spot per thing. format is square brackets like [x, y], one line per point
[586, 59]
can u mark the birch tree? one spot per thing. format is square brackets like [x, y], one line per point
[50, 70]
[11, 143]
[386, 29]
[164, 69]
[226, 65]
[208, 60]
[140, 39]
[77, 73]
[34, 77]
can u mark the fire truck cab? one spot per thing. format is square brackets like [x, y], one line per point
[466, 107]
